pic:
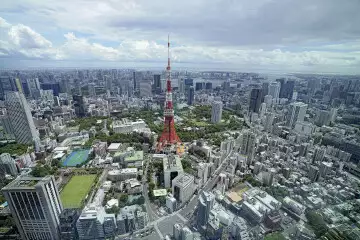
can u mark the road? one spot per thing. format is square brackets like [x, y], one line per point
[208, 186]
[151, 214]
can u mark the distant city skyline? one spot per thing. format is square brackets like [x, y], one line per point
[261, 35]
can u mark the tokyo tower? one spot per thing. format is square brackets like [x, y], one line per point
[168, 136]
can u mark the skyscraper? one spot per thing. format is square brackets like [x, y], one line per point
[108, 82]
[296, 113]
[79, 105]
[21, 119]
[265, 90]
[255, 100]
[7, 84]
[281, 81]
[181, 85]
[199, 86]
[190, 98]
[205, 204]
[216, 112]
[274, 91]
[248, 144]
[51, 86]
[35, 206]
[157, 83]
[33, 87]
[145, 88]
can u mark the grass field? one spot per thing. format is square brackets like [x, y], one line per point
[75, 158]
[76, 190]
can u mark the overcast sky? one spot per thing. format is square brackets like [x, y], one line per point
[266, 35]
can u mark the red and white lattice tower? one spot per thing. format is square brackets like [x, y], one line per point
[168, 136]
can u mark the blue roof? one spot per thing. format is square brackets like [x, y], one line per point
[5, 204]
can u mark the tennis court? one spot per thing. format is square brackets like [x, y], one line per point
[75, 158]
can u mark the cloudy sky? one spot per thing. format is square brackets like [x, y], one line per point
[320, 36]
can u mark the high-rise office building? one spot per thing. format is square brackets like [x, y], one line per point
[186, 234]
[67, 228]
[205, 204]
[287, 89]
[281, 81]
[92, 92]
[157, 83]
[322, 118]
[145, 88]
[6, 125]
[108, 83]
[255, 100]
[183, 187]
[7, 165]
[55, 87]
[33, 86]
[90, 223]
[265, 90]
[181, 85]
[21, 119]
[191, 96]
[296, 113]
[313, 173]
[7, 84]
[248, 144]
[35, 206]
[199, 86]
[333, 114]
[208, 85]
[177, 231]
[274, 91]
[79, 105]
[216, 111]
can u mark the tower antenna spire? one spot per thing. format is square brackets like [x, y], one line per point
[168, 136]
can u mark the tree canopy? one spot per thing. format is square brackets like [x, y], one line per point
[14, 148]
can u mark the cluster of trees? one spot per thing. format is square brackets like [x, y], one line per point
[275, 236]
[14, 148]
[132, 138]
[197, 152]
[87, 123]
[277, 192]
[252, 181]
[186, 164]
[201, 112]
[317, 223]
[43, 170]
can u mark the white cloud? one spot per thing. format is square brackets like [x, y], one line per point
[24, 37]
[21, 41]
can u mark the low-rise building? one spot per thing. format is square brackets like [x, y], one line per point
[122, 174]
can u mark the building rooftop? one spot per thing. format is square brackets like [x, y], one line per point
[135, 156]
[114, 146]
[183, 179]
[160, 192]
[123, 171]
[26, 182]
[172, 163]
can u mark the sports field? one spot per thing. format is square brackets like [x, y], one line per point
[76, 190]
[75, 158]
